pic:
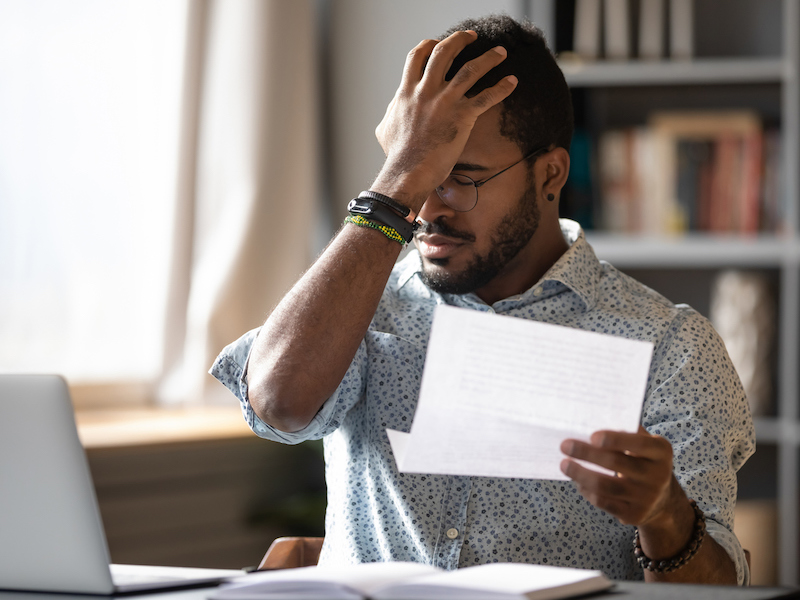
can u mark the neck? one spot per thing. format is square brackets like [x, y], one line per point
[545, 248]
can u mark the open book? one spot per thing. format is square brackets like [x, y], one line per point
[414, 581]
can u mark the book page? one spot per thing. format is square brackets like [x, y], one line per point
[499, 395]
[343, 582]
[498, 581]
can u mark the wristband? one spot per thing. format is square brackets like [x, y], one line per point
[404, 211]
[380, 213]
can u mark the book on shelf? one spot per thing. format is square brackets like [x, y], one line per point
[617, 34]
[713, 171]
[577, 197]
[407, 581]
[651, 29]
[586, 36]
[681, 29]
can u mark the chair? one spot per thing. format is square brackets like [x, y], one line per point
[292, 552]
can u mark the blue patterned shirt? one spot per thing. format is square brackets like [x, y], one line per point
[693, 398]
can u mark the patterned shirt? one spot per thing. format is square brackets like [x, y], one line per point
[693, 398]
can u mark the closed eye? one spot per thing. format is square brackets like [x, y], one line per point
[461, 180]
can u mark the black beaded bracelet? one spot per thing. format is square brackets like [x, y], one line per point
[680, 559]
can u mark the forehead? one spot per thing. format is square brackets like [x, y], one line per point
[486, 145]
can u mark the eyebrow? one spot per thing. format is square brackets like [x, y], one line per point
[469, 167]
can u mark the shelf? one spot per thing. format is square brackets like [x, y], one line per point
[751, 61]
[772, 430]
[694, 250]
[768, 430]
[695, 72]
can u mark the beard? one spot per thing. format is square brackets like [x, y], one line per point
[508, 239]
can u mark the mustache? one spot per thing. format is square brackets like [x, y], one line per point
[440, 227]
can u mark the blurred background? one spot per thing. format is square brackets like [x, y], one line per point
[169, 168]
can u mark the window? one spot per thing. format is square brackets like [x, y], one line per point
[89, 135]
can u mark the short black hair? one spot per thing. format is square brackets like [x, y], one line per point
[538, 113]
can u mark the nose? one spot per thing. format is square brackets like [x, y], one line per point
[434, 208]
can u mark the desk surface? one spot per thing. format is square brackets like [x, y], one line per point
[624, 590]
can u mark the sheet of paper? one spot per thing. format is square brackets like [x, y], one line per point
[499, 394]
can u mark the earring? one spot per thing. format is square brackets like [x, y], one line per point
[550, 197]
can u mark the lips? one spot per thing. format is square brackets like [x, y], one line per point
[435, 246]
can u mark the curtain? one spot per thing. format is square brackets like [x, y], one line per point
[247, 197]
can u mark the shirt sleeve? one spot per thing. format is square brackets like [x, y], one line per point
[695, 400]
[230, 368]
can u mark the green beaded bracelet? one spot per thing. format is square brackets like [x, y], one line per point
[389, 232]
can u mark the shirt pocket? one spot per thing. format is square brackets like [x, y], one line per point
[394, 373]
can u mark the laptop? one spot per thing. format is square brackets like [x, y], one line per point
[51, 533]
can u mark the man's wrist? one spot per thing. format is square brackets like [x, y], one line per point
[404, 188]
[669, 532]
[680, 558]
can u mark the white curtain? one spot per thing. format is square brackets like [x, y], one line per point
[247, 199]
[158, 184]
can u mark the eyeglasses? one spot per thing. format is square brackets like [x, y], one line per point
[460, 192]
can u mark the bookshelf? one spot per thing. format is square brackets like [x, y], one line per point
[747, 55]
[704, 72]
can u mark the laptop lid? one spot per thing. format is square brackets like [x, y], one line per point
[51, 535]
[51, 532]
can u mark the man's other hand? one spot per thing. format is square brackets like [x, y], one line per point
[429, 120]
[642, 488]
[644, 492]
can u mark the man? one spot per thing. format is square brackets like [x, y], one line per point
[341, 356]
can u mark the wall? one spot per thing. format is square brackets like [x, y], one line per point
[368, 41]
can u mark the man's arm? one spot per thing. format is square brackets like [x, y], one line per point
[646, 494]
[306, 345]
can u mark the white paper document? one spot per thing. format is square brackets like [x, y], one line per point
[499, 394]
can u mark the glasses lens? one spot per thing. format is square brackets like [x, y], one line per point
[458, 192]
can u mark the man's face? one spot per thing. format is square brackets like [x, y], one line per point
[477, 250]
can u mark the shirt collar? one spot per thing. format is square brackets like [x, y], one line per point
[578, 269]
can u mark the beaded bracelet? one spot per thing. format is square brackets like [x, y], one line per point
[680, 559]
[389, 232]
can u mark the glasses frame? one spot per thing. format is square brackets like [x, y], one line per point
[479, 183]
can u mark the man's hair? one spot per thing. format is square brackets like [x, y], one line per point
[538, 113]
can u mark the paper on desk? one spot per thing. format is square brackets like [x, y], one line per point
[499, 394]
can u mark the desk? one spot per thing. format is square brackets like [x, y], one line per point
[624, 590]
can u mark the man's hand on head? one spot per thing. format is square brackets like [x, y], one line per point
[429, 120]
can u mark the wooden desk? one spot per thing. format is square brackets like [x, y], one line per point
[624, 590]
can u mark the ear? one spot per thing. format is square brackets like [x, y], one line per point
[552, 171]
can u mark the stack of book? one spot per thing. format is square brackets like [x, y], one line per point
[626, 29]
[690, 171]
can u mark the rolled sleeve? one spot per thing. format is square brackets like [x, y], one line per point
[230, 368]
[696, 401]
[730, 543]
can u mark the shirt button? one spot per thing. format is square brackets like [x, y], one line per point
[538, 292]
[452, 533]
